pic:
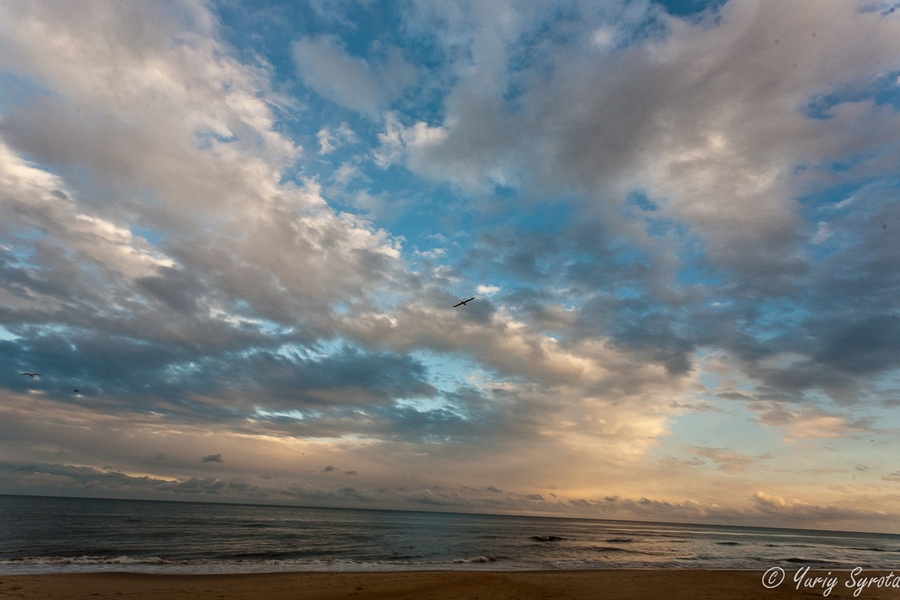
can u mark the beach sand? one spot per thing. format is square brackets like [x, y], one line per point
[433, 585]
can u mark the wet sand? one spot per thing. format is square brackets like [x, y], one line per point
[438, 585]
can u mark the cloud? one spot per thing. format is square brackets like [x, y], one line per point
[330, 70]
[82, 480]
[190, 131]
[803, 512]
[487, 290]
[809, 422]
[330, 140]
[680, 133]
[52, 477]
[727, 459]
[327, 68]
[657, 214]
[705, 116]
[213, 458]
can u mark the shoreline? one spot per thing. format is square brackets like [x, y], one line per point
[606, 584]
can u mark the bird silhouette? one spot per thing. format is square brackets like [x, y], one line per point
[463, 302]
[32, 375]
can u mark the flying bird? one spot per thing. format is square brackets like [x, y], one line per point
[463, 302]
[32, 375]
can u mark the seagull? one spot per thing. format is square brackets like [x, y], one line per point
[32, 375]
[463, 302]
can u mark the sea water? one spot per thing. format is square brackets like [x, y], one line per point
[44, 534]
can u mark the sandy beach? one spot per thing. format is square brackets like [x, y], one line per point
[441, 585]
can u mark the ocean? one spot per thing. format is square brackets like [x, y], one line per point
[64, 535]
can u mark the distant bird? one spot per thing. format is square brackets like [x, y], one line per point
[32, 375]
[463, 302]
[76, 391]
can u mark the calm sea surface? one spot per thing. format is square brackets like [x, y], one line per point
[40, 535]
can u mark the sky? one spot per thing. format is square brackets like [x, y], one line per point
[232, 235]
